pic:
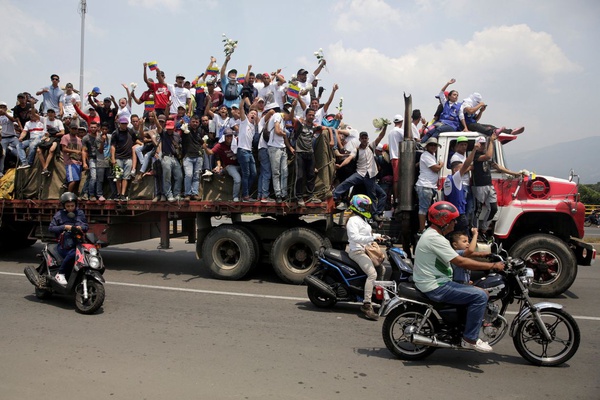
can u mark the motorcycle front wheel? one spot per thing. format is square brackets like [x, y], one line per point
[95, 297]
[536, 349]
[587, 223]
[398, 326]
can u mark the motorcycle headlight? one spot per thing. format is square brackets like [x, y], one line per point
[527, 277]
[93, 251]
[94, 262]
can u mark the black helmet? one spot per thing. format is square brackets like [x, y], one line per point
[67, 197]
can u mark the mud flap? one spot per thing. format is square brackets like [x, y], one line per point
[584, 252]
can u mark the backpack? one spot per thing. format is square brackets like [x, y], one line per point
[231, 90]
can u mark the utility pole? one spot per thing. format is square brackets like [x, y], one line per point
[82, 11]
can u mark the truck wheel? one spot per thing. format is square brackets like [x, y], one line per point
[293, 254]
[228, 251]
[554, 264]
[255, 244]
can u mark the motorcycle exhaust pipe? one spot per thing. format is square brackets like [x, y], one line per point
[428, 341]
[321, 287]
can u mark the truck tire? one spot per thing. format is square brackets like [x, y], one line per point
[293, 254]
[255, 244]
[554, 264]
[228, 252]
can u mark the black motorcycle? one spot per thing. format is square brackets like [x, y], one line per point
[592, 219]
[85, 281]
[544, 334]
[339, 278]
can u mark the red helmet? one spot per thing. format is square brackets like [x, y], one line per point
[441, 213]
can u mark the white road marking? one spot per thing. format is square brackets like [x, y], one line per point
[258, 296]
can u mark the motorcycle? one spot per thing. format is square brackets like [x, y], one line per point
[592, 219]
[339, 278]
[85, 281]
[543, 333]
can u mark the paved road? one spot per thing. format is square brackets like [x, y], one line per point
[166, 331]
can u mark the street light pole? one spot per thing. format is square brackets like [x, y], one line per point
[82, 10]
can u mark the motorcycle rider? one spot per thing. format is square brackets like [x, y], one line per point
[360, 234]
[433, 273]
[62, 225]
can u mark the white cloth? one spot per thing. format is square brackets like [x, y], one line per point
[466, 178]
[275, 140]
[359, 233]
[395, 136]
[68, 106]
[415, 132]
[179, 97]
[427, 178]
[365, 161]
[245, 135]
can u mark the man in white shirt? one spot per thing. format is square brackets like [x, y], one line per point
[426, 185]
[366, 170]
[71, 98]
[395, 136]
[277, 144]
[180, 96]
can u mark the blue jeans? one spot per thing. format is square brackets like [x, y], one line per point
[374, 191]
[32, 143]
[68, 261]
[172, 176]
[279, 170]
[475, 299]
[264, 179]
[234, 172]
[96, 178]
[436, 132]
[191, 171]
[14, 141]
[425, 196]
[248, 169]
[144, 159]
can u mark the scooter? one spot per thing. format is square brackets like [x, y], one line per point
[339, 278]
[85, 280]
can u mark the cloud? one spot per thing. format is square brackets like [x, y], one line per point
[170, 5]
[19, 31]
[361, 15]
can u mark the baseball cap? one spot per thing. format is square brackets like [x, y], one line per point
[123, 120]
[96, 89]
[259, 99]
[461, 139]
[228, 131]
[287, 108]
[21, 95]
[3, 103]
[398, 118]
[170, 124]
[481, 139]
[81, 128]
[107, 99]
[437, 96]
[363, 133]
[162, 118]
[235, 106]
[232, 70]
[302, 71]
[179, 76]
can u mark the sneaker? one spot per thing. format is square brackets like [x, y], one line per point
[46, 172]
[187, 198]
[163, 198]
[156, 199]
[279, 200]
[60, 278]
[499, 130]
[93, 198]
[481, 346]
[171, 199]
[23, 166]
[101, 198]
[196, 197]
[518, 130]
[124, 198]
[236, 199]
[378, 217]
[301, 203]
[315, 200]
[248, 199]
[267, 200]
[342, 206]
[367, 309]
[85, 197]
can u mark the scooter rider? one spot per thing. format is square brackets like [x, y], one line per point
[433, 273]
[360, 234]
[63, 223]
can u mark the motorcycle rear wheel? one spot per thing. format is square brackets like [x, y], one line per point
[95, 298]
[537, 350]
[397, 329]
[317, 298]
[587, 223]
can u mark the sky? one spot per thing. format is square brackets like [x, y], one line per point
[534, 62]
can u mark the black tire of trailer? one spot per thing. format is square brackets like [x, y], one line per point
[229, 252]
[255, 244]
[293, 254]
[541, 251]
